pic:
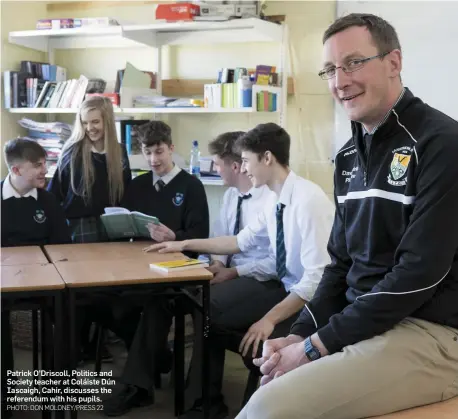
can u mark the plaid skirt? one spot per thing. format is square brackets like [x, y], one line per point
[87, 230]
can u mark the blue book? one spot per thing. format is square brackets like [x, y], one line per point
[129, 139]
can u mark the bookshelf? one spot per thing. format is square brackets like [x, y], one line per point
[156, 36]
[153, 37]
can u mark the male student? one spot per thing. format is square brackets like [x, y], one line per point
[297, 219]
[29, 216]
[245, 286]
[179, 201]
[381, 333]
[172, 195]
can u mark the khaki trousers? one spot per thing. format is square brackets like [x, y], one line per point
[414, 364]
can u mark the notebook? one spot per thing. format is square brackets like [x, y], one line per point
[121, 223]
[178, 265]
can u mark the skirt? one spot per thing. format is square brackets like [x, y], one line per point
[87, 230]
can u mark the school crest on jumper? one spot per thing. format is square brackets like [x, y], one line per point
[178, 199]
[39, 216]
[399, 165]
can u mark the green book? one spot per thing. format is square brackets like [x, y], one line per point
[121, 223]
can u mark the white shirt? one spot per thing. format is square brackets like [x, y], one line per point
[9, 192]
[259, 261]
[168, 177]
[307, 221]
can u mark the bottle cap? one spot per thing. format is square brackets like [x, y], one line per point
[195, 143]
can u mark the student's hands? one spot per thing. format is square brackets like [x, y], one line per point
[259, 331]
[165, 247]
[161, 233]
[282, 361]
[215, 265]
[221, 273]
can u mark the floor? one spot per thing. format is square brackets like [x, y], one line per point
[235, 380]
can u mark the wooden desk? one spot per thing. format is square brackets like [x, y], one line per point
[135, 274]
[95, 251]
[26, 278]
[103, 273]
[23, 255]
[41, 285]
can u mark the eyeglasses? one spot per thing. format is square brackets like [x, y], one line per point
[349, 67]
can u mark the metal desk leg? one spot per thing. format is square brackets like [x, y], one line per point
[179, 361]
[72, 328]
[35, 365]
[59, 350]
[45, 347]
[205, 349]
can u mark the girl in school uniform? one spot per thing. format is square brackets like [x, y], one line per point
[93, 171]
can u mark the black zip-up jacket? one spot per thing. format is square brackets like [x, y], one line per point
[394, 241]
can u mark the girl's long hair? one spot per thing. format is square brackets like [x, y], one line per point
[76, 153]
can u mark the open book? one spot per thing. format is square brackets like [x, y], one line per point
[178, 265]
[121, 223]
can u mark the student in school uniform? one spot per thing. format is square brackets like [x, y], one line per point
[29, 216]
[245, 285]
[297, 219]
[92, 173]
[179, 201]
[172, 195]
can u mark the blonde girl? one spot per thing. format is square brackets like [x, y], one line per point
[93, 171]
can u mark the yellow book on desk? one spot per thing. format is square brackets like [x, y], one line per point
[178, 265]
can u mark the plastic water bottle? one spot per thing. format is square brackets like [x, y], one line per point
[194, 163]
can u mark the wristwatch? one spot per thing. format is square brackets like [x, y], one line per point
[311, 352]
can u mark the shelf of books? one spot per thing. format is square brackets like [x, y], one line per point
[42, 88]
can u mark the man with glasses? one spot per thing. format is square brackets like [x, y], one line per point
[381, 332]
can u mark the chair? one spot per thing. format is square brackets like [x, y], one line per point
[100, 332]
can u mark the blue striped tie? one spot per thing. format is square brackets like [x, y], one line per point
[237, 222]
[281, 251]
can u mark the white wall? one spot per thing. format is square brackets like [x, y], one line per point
[428, 33]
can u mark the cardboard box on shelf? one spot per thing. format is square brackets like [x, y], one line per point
[227, 10]
[177, 11]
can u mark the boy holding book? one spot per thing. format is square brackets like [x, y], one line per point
[179, 202]
[30, 216]
[172, 195]
[297, 218]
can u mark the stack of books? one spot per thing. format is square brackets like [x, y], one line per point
[234, 89]
[51, 136]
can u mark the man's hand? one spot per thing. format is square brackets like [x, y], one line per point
[286, 359]
[272, 346]
[165, 247]
[259, 331]
[221, 273]
[161, 233]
